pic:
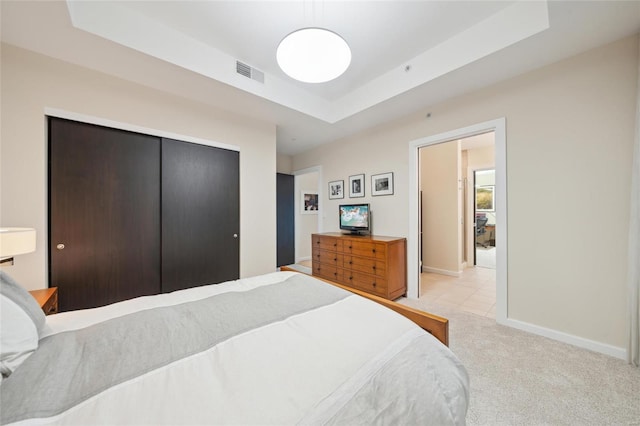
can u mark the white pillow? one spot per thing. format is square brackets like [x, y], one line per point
[21, 320]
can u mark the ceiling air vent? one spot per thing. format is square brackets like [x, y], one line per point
[249, 72]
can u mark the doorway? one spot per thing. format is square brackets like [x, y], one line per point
[484, 218]
[457, 209]
[497, 126]
[308, 211]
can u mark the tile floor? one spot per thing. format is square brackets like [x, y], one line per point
[306, 263]
[473, 291]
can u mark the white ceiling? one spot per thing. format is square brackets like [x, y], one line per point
[407, 55]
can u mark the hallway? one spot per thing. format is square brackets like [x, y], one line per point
[474, 291]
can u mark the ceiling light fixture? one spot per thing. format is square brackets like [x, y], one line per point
[313, 55]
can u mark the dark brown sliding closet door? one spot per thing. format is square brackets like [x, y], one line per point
[200, 215]
[104, 214]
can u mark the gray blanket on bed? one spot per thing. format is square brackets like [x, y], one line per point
[117, 350]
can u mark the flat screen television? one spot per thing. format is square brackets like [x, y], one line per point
[355, 218]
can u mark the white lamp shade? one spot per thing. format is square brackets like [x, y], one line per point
[313, 55]
[14, 241]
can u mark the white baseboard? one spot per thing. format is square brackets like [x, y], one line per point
[300, 259]
[441, 271]
[560, 336]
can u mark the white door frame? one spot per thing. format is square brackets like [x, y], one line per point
[320, 188]
[413, 273]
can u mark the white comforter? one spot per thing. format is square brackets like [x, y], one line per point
[350, 361]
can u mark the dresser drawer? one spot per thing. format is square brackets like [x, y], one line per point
[328, 257]
[368, 283]
[329, 272]
[366, 249]
[364, 264]
[326, 243]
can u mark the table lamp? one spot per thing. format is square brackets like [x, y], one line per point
[15, 241]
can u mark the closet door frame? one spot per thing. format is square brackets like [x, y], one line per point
[118, 125]
[90, 119]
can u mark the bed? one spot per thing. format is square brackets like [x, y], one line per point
[281, 348]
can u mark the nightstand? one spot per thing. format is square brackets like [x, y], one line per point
[47, 299]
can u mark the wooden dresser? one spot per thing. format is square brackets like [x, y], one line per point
[370, 263]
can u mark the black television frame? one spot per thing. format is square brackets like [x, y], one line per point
[355, 230]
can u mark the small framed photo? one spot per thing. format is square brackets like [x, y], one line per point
[336, 189]
[356, 186]
[485, 198]
[382, 184]
[309, 202]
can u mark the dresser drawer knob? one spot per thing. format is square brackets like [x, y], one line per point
[374, 284]
[350, 263]
[374, 268]
[335, 259]
[373, 250]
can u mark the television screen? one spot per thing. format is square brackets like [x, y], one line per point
[354, 217]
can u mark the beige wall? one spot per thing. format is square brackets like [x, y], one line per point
[283, 164]
[482, 157]
[569, 140]
[32, 82]
[439, 174]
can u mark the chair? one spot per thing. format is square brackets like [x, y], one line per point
[481, 223]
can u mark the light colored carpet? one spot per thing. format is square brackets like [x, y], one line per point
[519, 378]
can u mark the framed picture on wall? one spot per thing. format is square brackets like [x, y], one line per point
[309, 202]
[485, 201]
[336, 189]
[382, 184]
[356, 186]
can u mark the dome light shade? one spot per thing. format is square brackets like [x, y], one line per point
[313, 55]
